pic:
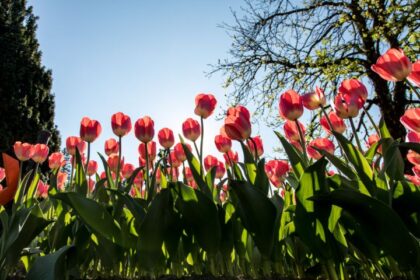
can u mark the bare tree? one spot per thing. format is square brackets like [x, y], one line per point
[299, 44]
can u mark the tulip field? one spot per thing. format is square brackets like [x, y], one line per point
[336, 208]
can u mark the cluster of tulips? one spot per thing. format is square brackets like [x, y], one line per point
[347, 214]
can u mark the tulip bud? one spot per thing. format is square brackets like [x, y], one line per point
[413, 157]
[393, 65]
[210, 161]
[372, 139]
[179, 152]
[291, 130]
[345, 108]
[40, 153]
[411, 119]
[113, 162]
[337, 123]
[151, 149]
[56, 160]
[166, 138]
[352, 90]
[413, 137]
[204, 105]
[92, 167]
[121, 124]
[290, 105]
[90, 129]
[42, 189]
[231, 157]
[191, 129]
[256, 144]
[127, 170]
[111, 146]
[220, 170]
[321, 144]
[414, 76]
[276, 171]
[237, 123]
[61, 180]
[223, 143]
[315, 99]
[73, 143]
[188, 174]
[23, 151]
[144, 129]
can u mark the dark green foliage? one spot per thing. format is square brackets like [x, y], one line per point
[26, 102]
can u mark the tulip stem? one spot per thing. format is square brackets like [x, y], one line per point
[201, 146]
[117, 176]
[372, 122]
[88, 157]
[302, 140]
[355, 134]
[327, 117]
[170, 163]
[71, 172]
[147, 166]
[231, 166]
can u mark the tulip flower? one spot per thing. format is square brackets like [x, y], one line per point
[392, 66]
[372, 139]
[56, 160]
[111, 146]
[222, 196]
[2, 174]
[276, 171]
[188, 174]
[223, 143]
[411, 119]
[61, 180]
[191, 129]
[82, 157]
[416, 170]
[73, 143]
[237, 123]
[413, 179]
[23, 151]
[91, 185]
[151, 150]
[179, 152]
[321, 144]
[291, 131]
[113, 161]
[290, 105]
[210, 161]
[90, 129]
[42, 189]
[345, 108]
[414, 76]
[313, 100]
[204, 105]
[40, 153]
[144, 129]
[231, 157]
[92, 168]
[256, 141]
[220, 170]
[174, 160]
[297, 145]
[413, 137]
[352, 90]
[166, 138]
[413, 157]
[337, 123]
[127, 170]
[121, 124]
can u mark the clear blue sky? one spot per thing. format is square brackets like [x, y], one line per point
[138, 57]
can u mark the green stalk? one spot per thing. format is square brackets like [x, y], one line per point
[331, 270]
[371, 121]
[201, 147]
[147, 166]
[170, 163]
[88, 157]
[302, 140]
[117, 176]
[355, 135]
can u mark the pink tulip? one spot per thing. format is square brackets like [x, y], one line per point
[321, 144]
[204, 105]
[313, 100]
[121, 124]
[23, 151]
[411, 119]
[414, 77]
[392, 66]
[40, 153]
[290, 105]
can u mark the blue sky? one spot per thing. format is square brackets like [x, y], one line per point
[138, 57]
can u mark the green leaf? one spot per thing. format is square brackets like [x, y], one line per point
[201, 214]
[93, 215]
[110, 182]
[261, 180]
[52, 266]
[393, 161]
[294, 157]
[379, 224]
[257, 213]
[250, 167]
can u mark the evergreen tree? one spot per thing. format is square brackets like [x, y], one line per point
[26, 102]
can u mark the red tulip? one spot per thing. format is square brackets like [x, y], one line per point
[413, 179]
[223, 143]
[414, 76]
[91, 185]
[61, 180]
[151, 150]
[191, 129]
[166, 138]
[321, 144]
[411, 119]
[291, 131]
[144, 129]
[188, 174]
[23, 151]
[290, 105]
[276, 171]
[222, 196]
[111, 147]
[174, 161]
[297, 145]
[231, 157]
[210, 161]
[337, 123]
[392, 66]
[113, 162]
[220, 170]
[90, 129]
[179, 152]
[127, 170]
[257, 142]
[121, 124]
[56, 160]
[315, 99]
[42, 189]
[237, 123]
[204, 105]
[138, 180]
[40, 153]
[416, 170]
[372, 139]
[82, 157]
[353, 90]
[413, 157]
[413, 137]
[92, 168]
[2, 174]
[345, 108]
[74, 142]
